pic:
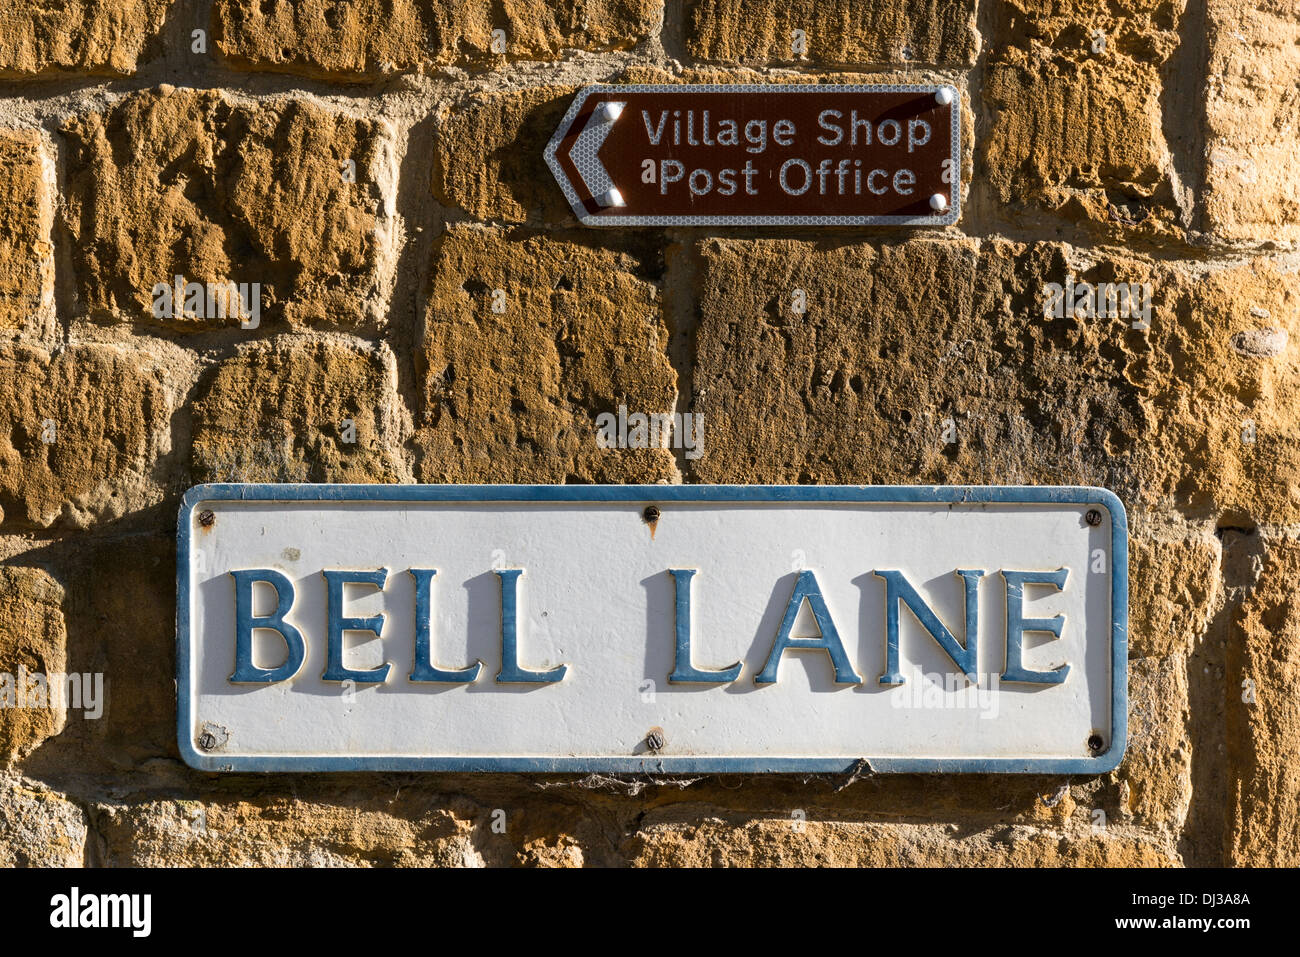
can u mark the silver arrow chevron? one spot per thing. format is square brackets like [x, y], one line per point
[585, 150]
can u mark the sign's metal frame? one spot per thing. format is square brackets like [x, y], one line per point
[946, 218]
[1101, 763]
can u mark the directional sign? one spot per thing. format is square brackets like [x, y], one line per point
[765, 155]
[688, 629]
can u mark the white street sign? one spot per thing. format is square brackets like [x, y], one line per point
[651, 628]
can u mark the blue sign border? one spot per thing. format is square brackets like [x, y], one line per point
[1105, 761]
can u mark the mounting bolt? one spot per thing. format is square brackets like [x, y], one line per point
[610, 198]
[1093, 517]
[938, 202]
[651, 514]
[655, 739]
[1096, 743]
[207, 741]
[206, 518]
[609, 111]
[944, 96]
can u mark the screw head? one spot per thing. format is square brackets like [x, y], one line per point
[655, 739]
[610, 198]
[944, 96]
[1093, 517]
[207, 741]
[1096, 743]
[651, 514]
[609, 111]
[206, 518]
[938, 202]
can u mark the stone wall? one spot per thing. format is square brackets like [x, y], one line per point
[377, 166]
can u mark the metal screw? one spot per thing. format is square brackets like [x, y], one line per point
[1096, 743]
[1093, 517]
[655, 739]
[207, 741]
[206, 518]
[651, 514]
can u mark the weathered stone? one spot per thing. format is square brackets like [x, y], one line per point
[1223, 438]
[364, 38]
[487, 155]
[39, 828]
[1260, 343]
[279, 412]
[1172, 588]
[351, 830]
[1155, 776]
[561, 851]
[26, 256]
[87, 426]
[190, 183]
[541, 29]
[1263, 716]
[32, 660]
[1252, 121]
[916, 361]
[694, 836]
[82, 36]
[320, 37]
[932, 361]
[513, 396]
[834, 32]
[1077, 120]
[121, 626]
[717, 73]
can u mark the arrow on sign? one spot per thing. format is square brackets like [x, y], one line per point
[585, 154]
[761, 155]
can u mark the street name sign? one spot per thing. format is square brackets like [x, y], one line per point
[689, 629]
[761, 155]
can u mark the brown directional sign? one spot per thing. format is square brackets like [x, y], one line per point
[766, 155]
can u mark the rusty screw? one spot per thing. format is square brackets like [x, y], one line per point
[207, 741]
[1096, 743]
[655, 739]
[206, 518]
[651, 514]
[1093, 517]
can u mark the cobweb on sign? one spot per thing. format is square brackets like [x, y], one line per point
[631, 785]
[634, 784]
